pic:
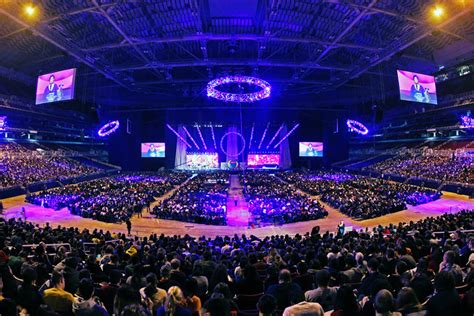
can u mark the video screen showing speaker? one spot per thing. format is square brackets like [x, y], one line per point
[153, 150]
[259, 160]
[417, 87]
[56, 86]
[311, 149]
[202, 161]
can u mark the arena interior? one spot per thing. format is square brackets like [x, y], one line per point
[237, 157]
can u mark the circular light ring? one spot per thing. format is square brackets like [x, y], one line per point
[108, 128]
[241, 137]
[213, 92]
[358, 127]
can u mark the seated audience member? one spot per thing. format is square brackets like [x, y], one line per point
[107, 290]
[346, 303]
[449, 265]
[446, 300]
[125, 296]
[56, 297]
[304, 279]
[28, 295]
[371, 277]
[421, 282]
[250, 282]
[285, 291]
[174, 304]
[323, 294]
[384, 304]
[266, 305]
[407, 303]
[152, 293]
[304, 308]
[86, 304]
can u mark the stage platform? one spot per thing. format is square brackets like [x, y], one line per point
[146, 225]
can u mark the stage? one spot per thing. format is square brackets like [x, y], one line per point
[147, 224]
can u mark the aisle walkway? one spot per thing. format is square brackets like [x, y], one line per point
[237, 215]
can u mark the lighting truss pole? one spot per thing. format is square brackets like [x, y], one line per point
[190, 137]
[213, 137]
[275, 136]
[251, 135]
[263, 136]
[287, 135]
[200, 136]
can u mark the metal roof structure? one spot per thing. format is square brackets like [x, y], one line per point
[170, 49]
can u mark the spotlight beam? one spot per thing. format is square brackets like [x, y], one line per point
[251, 135]
[179, 136]
[200, 136]
[263, 136]
[192, 139]
[287, 135]
[213, 137]
[276, 134]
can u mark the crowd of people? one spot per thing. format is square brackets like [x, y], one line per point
[435, 167]
[357, 196]
[22, 166]
[404, 269]
[201, 200]
[112, 199]
[273, 201]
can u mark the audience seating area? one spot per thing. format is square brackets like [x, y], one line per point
[112, 199]
[201, 200]
[273, 201]
[21, 165]
[358, 196]
[424, 267]
[446, 168]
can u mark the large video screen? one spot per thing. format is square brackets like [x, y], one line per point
[311, 149]
[56, 86]
[417, 87]
[200, 161]
[153, 150]
[263, 159]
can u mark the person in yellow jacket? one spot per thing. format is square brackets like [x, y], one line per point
[56, 297]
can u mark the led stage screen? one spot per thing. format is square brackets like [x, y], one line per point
[153, 150]
[202, 161]
[56, 86]
[417, 87]
[263, 159]
[311, 149]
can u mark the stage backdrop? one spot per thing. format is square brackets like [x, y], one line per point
[124, 148]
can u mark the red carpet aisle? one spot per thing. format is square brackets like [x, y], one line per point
[237, 215]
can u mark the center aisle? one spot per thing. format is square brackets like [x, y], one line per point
[237, 213]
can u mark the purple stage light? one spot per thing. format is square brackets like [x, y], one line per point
[275, 136]
[3, 122]
[108, 128]
[189, 135]
[467, 122]
[357, 127]
[179, 136]
[213, 137]
[263, 136]
[213, 92]
[202, 138]
[230, 133]
[251, 135]
[287, 135]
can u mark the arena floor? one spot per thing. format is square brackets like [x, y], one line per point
[147, 224]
